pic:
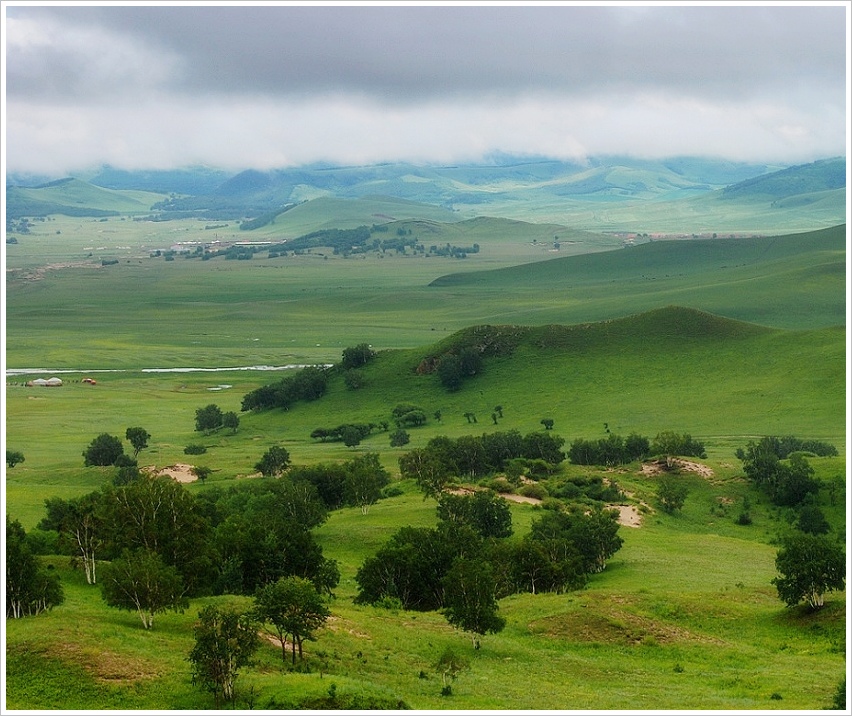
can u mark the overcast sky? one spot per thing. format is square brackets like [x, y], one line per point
[274, 85]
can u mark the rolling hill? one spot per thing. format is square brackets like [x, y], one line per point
[75, 197]
[737, 278]
[624, 194]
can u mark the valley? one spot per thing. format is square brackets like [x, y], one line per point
[610, 301]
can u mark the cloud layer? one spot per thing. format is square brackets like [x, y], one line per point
[265, 86]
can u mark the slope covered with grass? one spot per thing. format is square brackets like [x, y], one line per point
[738, 278]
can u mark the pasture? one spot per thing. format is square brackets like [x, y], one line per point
[683, 617]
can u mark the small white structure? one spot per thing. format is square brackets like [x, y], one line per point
[49, 383]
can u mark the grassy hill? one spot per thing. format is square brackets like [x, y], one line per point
[75, 197]
[683, 617]
[738, 278]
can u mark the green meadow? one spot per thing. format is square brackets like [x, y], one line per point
[725, 339]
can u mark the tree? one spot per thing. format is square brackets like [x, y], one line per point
[450, 372]
[428, 469]
[231, 421]
[351, 436]
[357, 356]
[138, 438]
[547, 422]
[485, 512]
[225, 641]
[470, 600]
[202, 472]
[140, 581]
[161, 515]
[671, 492]
[208, 418]
[79, 522]
[671, 444]
[450, 664]
[274, 461]
[365, 478]
[399, 437]
[812, 520]
[30, 589]
[809, 566]
[104, 450]
[14, 457]
[295, 608]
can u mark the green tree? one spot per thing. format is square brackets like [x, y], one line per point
[104, 450]
[30, 589]
[808, 567]
[351, 435]
[14, 457]
[399, 437]
[208, 418]
[79, 522]
[201, 472]
[547, 422]
[671, 444]
[294, 607]
[140, 581]
[450, 372]
[485, 512]
[470, 601]
[365, 478]
[138, 438]
[357, 356]
[161, 515]
[671, 493]
[450, 664]
[427, 468]
[273, 462]
[225, 641]
[231, 421]
[812, 520]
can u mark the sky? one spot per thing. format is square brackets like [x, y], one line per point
[274, 85]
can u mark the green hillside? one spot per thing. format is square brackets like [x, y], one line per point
[334, 213]
[76, 198]
[738, 278]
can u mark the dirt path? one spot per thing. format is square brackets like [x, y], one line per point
[179, 471]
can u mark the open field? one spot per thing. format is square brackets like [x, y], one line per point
[145, 312]
[683, 617]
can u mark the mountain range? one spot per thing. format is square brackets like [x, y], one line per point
[606, 193]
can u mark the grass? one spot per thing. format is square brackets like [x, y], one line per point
[684, 617]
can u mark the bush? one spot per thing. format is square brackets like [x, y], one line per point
[501, 485]
[392, 491]
[194, 449]
[539, 492]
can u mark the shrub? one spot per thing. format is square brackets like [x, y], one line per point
[501, 485]
[539, 492]
[194, 449]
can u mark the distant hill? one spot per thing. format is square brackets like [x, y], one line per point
[736, 278]
[75, 197]
[799, 180]
[610, 193]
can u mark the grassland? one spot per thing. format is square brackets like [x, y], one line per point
[639, 338]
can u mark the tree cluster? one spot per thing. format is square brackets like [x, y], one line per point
[166, 543]
[419, 566]
[444, 458]
[30, 588]
[787, 480]
[306, 384]
[611, 450]
[354, 483]
[350, 434]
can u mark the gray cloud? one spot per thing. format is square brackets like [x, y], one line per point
[690, 79]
